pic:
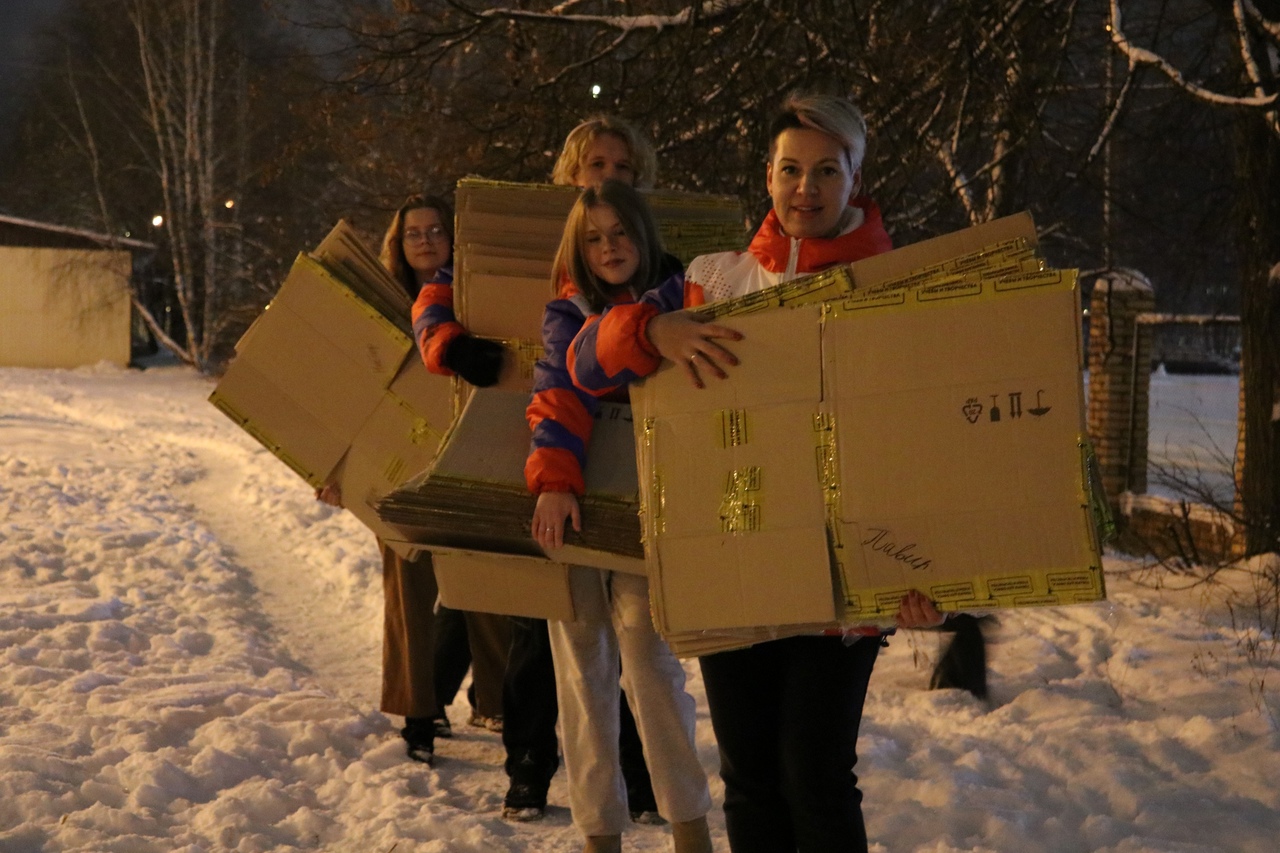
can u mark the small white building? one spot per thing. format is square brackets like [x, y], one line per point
[64, 295]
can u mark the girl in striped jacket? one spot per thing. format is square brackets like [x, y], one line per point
[611, 253]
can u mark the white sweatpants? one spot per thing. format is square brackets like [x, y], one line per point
[612, 618]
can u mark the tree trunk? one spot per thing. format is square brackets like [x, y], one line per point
[1258, 448]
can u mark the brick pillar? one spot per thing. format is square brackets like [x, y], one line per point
[1119, 362]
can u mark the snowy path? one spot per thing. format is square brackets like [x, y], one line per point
[317, 627]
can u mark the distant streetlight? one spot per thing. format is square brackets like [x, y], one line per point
[157, 220]
[230, 203]
[595, 91]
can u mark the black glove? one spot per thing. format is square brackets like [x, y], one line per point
[475, 359]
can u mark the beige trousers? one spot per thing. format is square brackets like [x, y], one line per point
[612, 621]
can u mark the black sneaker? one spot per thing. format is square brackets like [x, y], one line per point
[419, 737]
[526, 798]
[442, 726]
[525, 802]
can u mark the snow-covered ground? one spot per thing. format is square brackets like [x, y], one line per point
[191, 659]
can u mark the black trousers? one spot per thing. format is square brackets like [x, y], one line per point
[529, 708]
[786, 716]
[452, 656]
[478, 642]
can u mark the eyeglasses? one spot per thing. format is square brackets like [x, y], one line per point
[435, 232]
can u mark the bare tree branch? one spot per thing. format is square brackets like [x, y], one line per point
[1142, 56]
[1272, 28]
[710, 10]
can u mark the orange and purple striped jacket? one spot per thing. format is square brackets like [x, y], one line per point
[434, 323]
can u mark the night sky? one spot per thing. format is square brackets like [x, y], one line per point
[20, 20]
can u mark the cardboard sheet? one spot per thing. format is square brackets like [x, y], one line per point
[503, 583]
[960, 425]
[928, 432]
[335, 389]
[733, 499]
[506, 240]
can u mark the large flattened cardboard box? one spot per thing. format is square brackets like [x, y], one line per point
[506, 239]
[474, 498]
[924, 431]
[329, 381]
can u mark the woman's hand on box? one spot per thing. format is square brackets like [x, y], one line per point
[549, 517]
[917, 611]
[330, 493]
[690, 341]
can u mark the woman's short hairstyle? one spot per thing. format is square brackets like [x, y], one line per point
[392, 254]
[580, 138]
[637, 220]
[835, 116]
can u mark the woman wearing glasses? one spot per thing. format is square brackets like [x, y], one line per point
[417, 250]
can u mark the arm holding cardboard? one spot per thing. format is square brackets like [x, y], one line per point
[549, 516]
[446, 346]
[690, 341]
[621, 345]
[560, 418]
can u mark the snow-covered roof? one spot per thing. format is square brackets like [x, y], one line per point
[105, 240]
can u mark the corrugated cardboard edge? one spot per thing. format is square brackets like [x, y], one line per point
[880, 268]
[573, 553]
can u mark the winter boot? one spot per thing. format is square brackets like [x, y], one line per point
[691, 836]
[419, 735]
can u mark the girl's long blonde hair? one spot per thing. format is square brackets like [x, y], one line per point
[637, 220]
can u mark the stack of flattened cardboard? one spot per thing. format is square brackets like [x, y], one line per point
[925, 430]
[474, 496]
[506, 240]
[328, 379]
